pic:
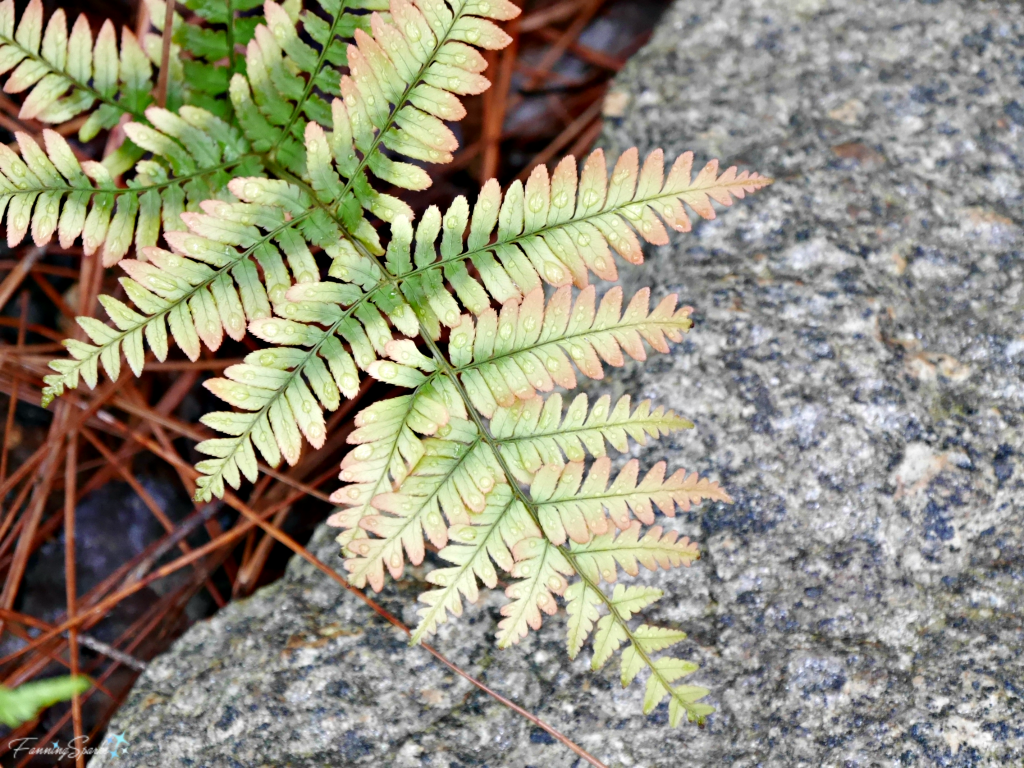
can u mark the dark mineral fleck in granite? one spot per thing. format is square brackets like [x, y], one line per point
[856, 376]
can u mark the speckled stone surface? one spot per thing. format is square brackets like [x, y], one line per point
[856, 375]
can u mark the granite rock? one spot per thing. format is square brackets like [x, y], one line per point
[856, 376]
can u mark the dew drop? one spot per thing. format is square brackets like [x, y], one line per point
[387, 370]
[459, 341]
[267, 359]
[536, 203]
[363, 452]
[551, 364]
[270, 329]
[600, 263]
[348, 382]
[553, 272]
[307, 407]
[468, 534]
[590, 198]
[554, 582]
[412, 32]
[530, 323]
[561, 200]
[353, 493]
[505, 332]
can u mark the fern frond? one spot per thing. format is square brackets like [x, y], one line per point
[541, 569]
[541, 560]
[454, 476]
[555, 230]
[201, 291]
[534, 432]
[66, 75]
[403, 80]
[50, 192]
[388, 450]
[597, 558]
[568, 505]
[528, 347]
[475, 547]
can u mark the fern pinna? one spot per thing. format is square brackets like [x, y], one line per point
[253, 198]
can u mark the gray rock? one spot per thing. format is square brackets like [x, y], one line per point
[857, 380]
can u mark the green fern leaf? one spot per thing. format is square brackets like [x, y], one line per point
[533, 432]
[475, 547]
[199, 291]
[49, 192]
[528, 347]
[66, 75]
[571, 507]
[581, 605]
[388, 449]
[541, 569]
[450, 481]
[597, 559]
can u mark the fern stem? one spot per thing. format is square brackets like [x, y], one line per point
[229, 34]
[38, 59]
